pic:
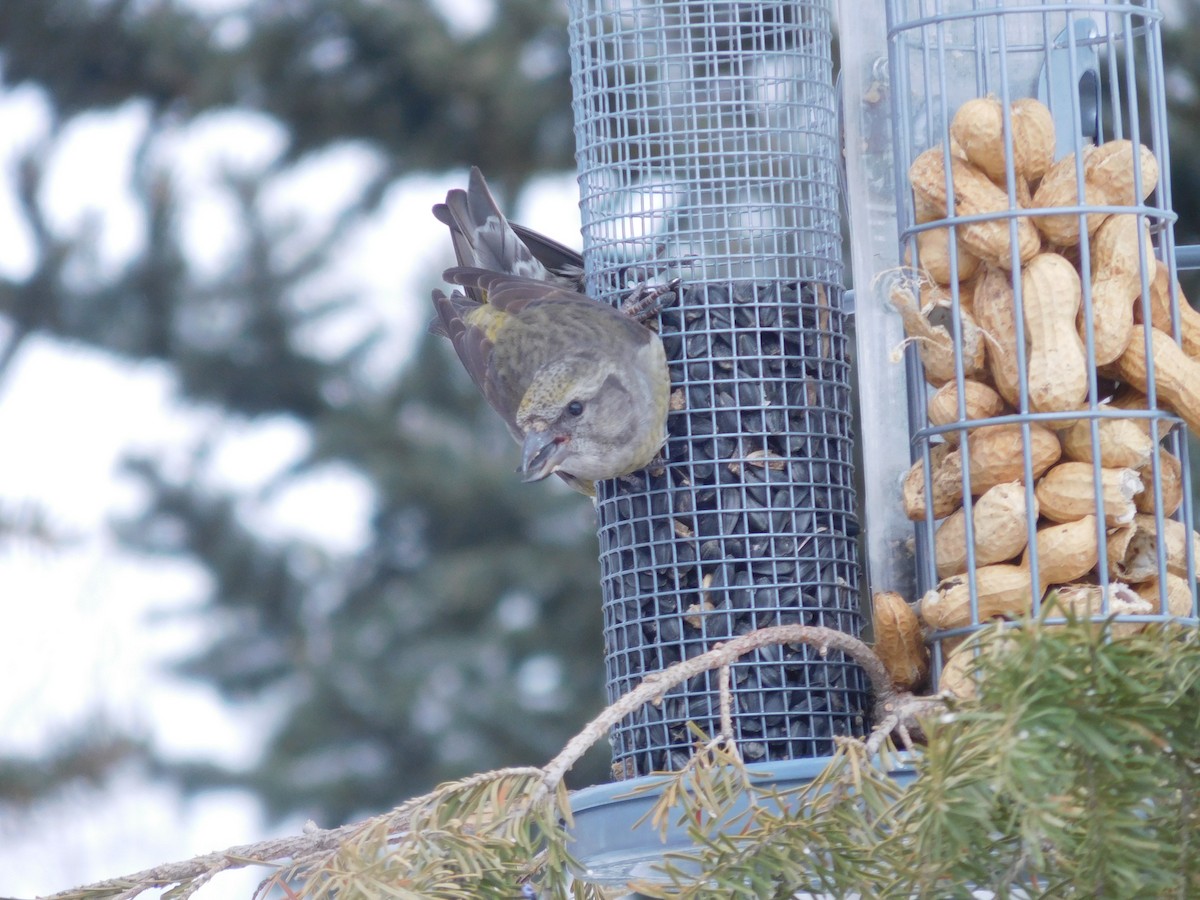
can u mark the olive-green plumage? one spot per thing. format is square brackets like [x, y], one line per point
[583, 387]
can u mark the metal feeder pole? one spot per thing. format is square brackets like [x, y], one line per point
[708, 150]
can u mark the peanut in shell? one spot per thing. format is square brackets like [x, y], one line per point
[1170, 479]
[1002, 590]
[1087, 601]
[978, 127]
[1161, 310]
[1108, 173]
[1130, 397]
[1001, 530]
[1056, 364]
[995, 313]
[980, 402]
[997, 454]
[945, 463]
[1117, 260]
[1060, 187]
[1123, 443]
[1065, 552]
[974, 194]
[957, 677]
[1176, 375]
[1112, 167]
[1067, 492]
[1179, 596]
[899, 643]
[935, 260]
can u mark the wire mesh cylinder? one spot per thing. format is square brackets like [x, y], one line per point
[708, 150]
[1060, 411]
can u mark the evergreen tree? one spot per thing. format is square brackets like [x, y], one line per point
[466, 635]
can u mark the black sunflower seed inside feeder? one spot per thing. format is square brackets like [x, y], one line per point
[748, 523]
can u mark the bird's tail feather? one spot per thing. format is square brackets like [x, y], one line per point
[482, 236]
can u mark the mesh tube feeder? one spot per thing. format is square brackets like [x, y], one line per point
[708, 151]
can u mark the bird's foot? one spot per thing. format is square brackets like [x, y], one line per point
[632, 482]
[648, 300]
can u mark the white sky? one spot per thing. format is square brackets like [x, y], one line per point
[80, 631]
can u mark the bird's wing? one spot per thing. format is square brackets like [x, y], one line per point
[558, 258]
[513, 295]
[474, 350]
[448, 313]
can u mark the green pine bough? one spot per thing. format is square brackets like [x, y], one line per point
[1074, 771]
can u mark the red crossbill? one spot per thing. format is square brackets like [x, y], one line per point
[582, 387]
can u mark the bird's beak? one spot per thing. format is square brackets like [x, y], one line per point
[541, 454]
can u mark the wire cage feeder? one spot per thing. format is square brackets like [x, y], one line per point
[1036, 325]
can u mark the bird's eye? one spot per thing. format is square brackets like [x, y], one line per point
[575, 408]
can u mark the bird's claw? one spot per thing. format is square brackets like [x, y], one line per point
[648, 300]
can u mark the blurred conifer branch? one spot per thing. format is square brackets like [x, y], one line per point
[24, 522]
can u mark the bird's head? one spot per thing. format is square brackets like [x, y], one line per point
[588, 417]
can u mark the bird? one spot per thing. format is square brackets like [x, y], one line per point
[583, 387]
